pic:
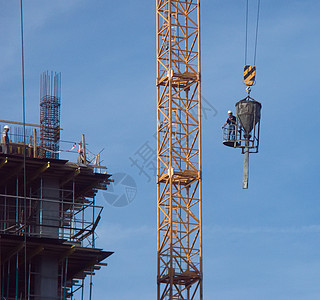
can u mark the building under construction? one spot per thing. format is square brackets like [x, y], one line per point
[48, 213]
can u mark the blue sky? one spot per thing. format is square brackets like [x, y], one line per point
[260, 243]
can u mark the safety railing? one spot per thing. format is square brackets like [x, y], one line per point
[230, 135]
[31, 144]
[235, 136]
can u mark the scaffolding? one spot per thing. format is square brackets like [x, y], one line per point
[47, 237]
[50, 94]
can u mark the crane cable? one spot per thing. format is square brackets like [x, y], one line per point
[250, 70]
[24, 149]
[256, 33]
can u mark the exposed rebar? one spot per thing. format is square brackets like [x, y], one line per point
[50, 93]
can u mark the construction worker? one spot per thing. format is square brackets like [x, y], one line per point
[81, 158]
[5, 140]
[231, 121]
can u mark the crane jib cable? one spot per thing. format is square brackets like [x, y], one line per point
[24, 151]
[257, 28]
[250, 70]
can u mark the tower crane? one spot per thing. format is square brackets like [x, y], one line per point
[179, 178]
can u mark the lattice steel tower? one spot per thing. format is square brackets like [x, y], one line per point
[179, 150]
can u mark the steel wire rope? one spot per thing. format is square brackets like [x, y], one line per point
[24, 149]
[257, 28]
[246, 38]
[256, 32]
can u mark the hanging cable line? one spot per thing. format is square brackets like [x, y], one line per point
[24, 146]
[256, 32]
[250, 70]
[257, 28]
[246, 43]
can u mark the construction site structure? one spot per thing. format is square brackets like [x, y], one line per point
[44, 237]
[48, 211]
[179, 177]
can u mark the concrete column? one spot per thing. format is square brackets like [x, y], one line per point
[46, 283]
[46, 279]
[49, 208]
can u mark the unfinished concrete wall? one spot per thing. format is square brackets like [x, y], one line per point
[48, 209]
[46, 279]
[46, 283]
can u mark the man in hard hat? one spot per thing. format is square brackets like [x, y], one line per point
[5, 140]
[81, 158]
[231, 121]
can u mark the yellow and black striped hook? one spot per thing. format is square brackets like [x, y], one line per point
[249, 76]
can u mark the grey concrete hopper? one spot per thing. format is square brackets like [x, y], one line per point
[248, 113]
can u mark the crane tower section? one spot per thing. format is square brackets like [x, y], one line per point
[179, 181]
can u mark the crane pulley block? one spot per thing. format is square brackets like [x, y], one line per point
[249, 75]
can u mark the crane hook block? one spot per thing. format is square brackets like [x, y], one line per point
[249, 75]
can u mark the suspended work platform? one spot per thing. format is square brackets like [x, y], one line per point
[230, 136]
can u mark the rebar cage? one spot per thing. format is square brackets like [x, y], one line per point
[50, 94]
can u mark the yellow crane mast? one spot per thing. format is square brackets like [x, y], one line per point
[179, 181]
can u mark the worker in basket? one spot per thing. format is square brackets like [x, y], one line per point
[231, 121]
